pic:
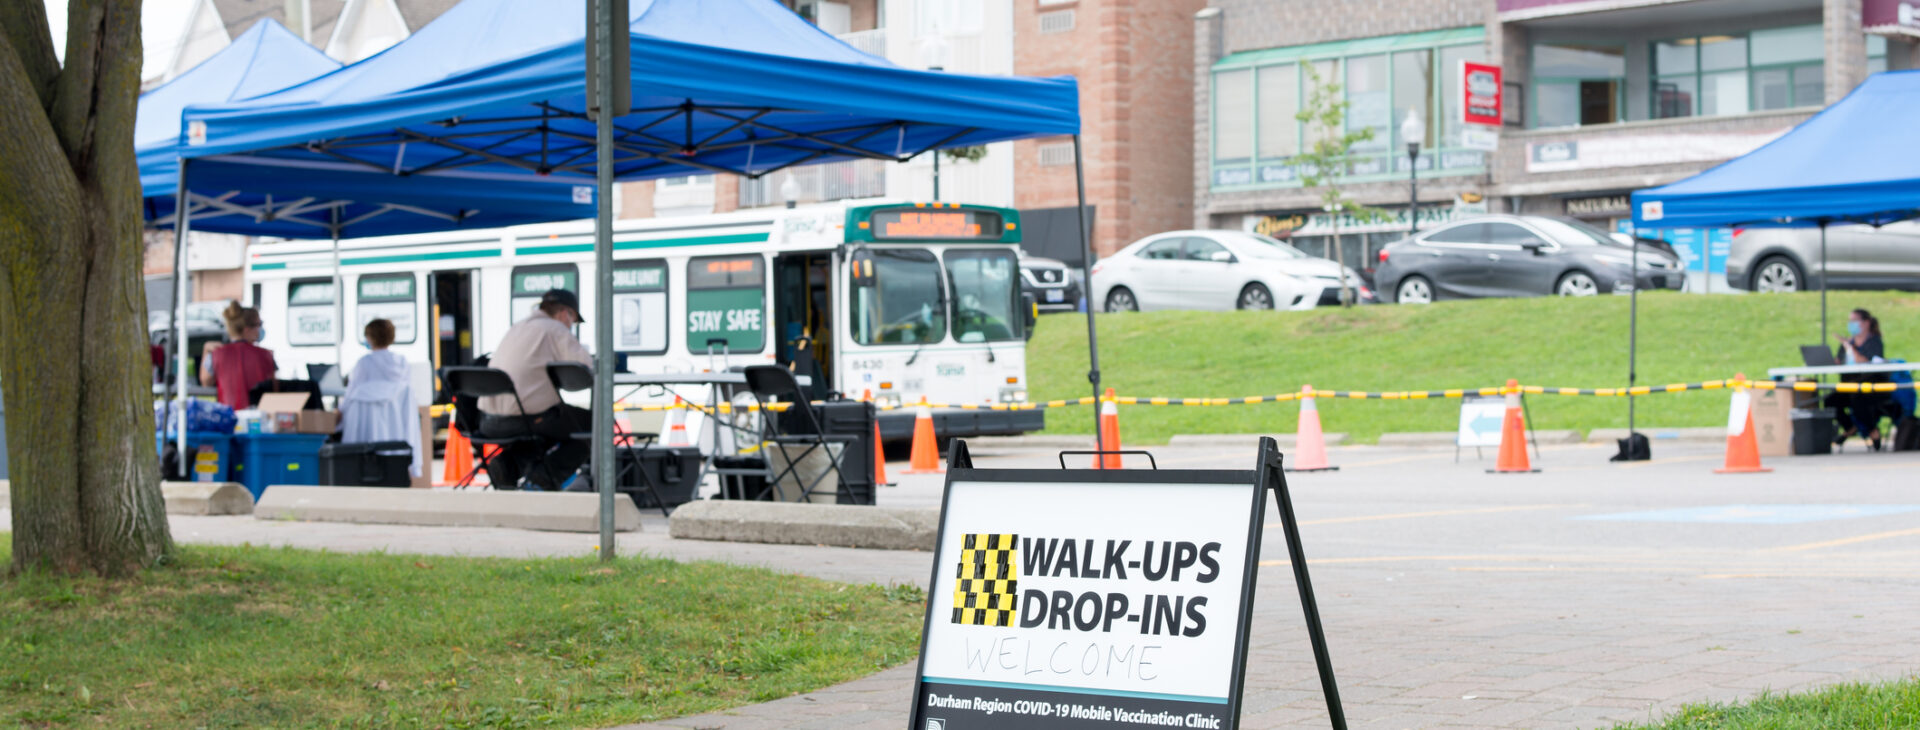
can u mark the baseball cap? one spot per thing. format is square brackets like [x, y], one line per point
[564, 298]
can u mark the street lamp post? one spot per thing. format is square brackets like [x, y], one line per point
[1414, 132]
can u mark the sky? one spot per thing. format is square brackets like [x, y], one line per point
[161, 22]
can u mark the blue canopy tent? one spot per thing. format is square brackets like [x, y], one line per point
[1854, 162]
[496, 90]
[229, 198]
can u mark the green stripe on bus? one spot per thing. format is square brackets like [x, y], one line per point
[269, 267]
[634, 245]
[403, 258]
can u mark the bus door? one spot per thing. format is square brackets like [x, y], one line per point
[803, 317]
[450, 316]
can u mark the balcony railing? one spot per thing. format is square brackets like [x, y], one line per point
[871, 42]
[819, 183]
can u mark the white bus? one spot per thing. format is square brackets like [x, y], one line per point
[905, 300]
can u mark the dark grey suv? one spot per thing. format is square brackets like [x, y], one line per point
[1518, 256]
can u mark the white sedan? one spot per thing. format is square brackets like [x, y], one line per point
[1217, 270]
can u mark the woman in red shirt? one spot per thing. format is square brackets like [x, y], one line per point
[234, 368]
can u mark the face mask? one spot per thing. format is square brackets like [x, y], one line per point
[1853, 327]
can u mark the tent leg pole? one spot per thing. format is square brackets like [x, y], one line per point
[1823, 283]
[339, 297]
[604, 471]
[1086, 274]
[182, 226]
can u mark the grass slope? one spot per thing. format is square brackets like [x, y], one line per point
[1841, 707]
[1547, 341]
[251, 637]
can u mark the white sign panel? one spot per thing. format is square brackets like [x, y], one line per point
[1480, 421]
[1069, 601]
[1642, 149]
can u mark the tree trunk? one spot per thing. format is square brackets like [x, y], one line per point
[73, 347]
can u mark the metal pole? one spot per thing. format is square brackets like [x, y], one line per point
[339, 296]
[1086, 272]
[1413, 188]
[936, 174]
[604, 471]
[1633, 337]
[182, 225]
[1823, 283]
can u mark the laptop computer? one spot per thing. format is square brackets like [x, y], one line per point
[1816, 356]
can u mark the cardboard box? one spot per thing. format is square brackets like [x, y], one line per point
[1773, 421]
[304, 421]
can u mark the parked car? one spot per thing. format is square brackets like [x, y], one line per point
[1054, 285]
[1217, 270]
[1858, 257]
[1519, 256]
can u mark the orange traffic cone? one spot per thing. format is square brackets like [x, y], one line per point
[1109, 432]
[459, 456]
[1743, 452]
[1309, 443]
[879, 452]
[676, 425]
[926, 450]
[1513, 436]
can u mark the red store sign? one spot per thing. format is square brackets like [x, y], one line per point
[1480, 84]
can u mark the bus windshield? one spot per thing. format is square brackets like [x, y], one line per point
[902, 303]
[986, 295]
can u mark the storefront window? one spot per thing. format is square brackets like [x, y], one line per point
[1412, 89]
[1369, 102]
[1450, 94]
[986, 295]
[1876, 54]
[1578, 85]
[1279, 110]
[1704, 76]
[901, 303]
[1233, 116]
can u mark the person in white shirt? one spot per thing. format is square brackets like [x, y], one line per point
[378, 405]
[544, 337]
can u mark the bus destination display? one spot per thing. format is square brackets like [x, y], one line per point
[949, 225]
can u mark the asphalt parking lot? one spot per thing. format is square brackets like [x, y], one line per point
[1587, 594]
[1584, 595]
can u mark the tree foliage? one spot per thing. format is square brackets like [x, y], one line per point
[1329, 153]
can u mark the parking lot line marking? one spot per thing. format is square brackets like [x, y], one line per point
[1436, 513]
[1873, 467]
[1396, 460]
[1850, 540]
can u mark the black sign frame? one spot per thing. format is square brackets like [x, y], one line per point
[1269, 474]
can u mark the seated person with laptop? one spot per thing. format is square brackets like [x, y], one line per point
[545, 336]
[1858, 413]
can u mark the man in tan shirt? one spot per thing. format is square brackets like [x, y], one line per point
[544, 337]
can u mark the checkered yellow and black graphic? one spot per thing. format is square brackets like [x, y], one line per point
[983, 591]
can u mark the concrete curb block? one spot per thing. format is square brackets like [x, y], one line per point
[1703, 435]
[791, 523]
[206, 498]
[1420, 438]
[557, 512]
[1286, 440]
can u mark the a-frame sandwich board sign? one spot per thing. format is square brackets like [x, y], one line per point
[1084, 598]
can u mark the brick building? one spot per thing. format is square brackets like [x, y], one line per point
[1602, 97]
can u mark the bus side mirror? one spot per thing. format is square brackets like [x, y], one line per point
[1030, 309]
[861, 264]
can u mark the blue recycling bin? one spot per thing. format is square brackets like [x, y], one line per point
[263, 459]
[209, 455]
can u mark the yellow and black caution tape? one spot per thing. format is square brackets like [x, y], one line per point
[1638, 390]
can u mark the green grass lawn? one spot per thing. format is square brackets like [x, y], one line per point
[1546, 341]
[1842, 707]
[254, 637]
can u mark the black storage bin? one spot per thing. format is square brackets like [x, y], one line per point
[1813, 431]
[673, 472]
[371, 464]
[844, 418]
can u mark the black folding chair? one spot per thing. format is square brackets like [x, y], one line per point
[572, 377]
[466, 381]
[771, 383]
